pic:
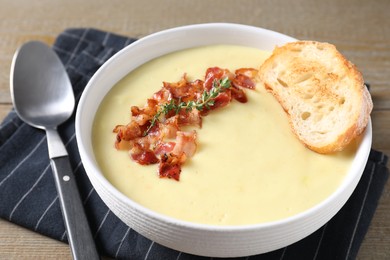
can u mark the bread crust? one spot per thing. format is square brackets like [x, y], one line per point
[322, 93]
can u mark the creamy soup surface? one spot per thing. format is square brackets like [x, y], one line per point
[249, 167]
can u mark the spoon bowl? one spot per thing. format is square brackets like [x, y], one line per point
[42, 106]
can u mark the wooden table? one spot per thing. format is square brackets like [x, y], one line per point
[359, 28]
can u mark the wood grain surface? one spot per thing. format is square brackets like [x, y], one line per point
[359, 28]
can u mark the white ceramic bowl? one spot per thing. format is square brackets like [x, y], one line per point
[200, 239]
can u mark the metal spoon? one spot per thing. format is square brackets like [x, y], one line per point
[43, 97]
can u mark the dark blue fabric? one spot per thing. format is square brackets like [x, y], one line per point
[28, 196]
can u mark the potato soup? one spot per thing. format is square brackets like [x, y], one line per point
[248, 168]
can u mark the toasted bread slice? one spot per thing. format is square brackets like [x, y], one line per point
[323, 94]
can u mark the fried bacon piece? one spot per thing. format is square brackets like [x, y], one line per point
[191, 118]
[185, 143]
[143, 156]
[164, 148]
[170, 166]
[238, 94]
[152, 137]
[127, 132]
[185, 90]
[144, 115]
[216, 73]
[245, 77]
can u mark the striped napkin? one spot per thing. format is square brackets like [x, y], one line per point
[28, 195]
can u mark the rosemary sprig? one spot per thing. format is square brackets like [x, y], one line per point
[206, 101]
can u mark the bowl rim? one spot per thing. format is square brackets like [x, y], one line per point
[352, 177]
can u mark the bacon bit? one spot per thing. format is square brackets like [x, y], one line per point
[162, 96]
[128, 132]
[170, 166]
[153, 147]
[244, 82]
[190, 118]
[249, 72]
[185, 143]
[142, 156]
[223, 99]
[169, 128]
[144, 115]
[164, 148]
[245, 78]
[216, 73]
[184, 90]
[238, 94]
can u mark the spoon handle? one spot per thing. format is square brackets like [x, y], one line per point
[78, 232]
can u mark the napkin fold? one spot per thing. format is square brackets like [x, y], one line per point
[28, 196]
